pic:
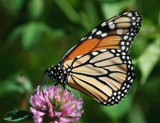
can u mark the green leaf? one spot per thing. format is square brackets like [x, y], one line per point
[68, 10]
[36, 8]
[148, 59]
[15, 83]
[14, 35]
[136, 115]
[148, 11]
[113, 8]
[13, 5]
[18, 115]
[91, 13]
[17, 4]
[31, 34]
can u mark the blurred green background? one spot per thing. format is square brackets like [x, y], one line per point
[35, 34]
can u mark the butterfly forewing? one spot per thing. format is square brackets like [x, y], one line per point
[115, 33]
[105, 75]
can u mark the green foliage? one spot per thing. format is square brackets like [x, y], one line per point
[150, 59]
[136, 114]
[15, 83]
[18, 115]
[35, 8]
[35, 34]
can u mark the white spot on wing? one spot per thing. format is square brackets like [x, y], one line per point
[113, 51]
[103, 24]
[129, 14]
[94, 53]
[122, 43]
[123, 53]
[104, 34]
[110, 23]
[131, 80]
[119, 97]
[123, 57]
[129, 62]
[94, 30]
[79, 56]
[99, 32]
[134, 23]
[104, 102]
[117, 54]
[114, 93]
[133, 18]
[127, 43]
[112, 26]
[125, 37]
[83, 38]
[130, 39]
[123, 48]
[103, 50]
[90, 37]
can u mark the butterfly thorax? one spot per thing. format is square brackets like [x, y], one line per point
[57, 73]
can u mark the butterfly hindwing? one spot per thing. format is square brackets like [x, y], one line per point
[104, 75]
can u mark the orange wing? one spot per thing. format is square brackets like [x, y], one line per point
[116, 33]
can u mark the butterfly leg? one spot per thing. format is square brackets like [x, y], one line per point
[64, 87]
[56, 83]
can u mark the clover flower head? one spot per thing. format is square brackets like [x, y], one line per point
[55, 105]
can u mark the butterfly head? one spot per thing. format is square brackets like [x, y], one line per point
[56, 73]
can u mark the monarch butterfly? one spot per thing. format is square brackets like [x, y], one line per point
[99, 65]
